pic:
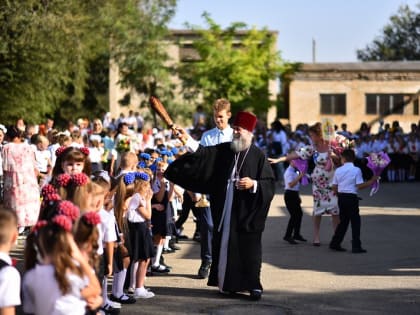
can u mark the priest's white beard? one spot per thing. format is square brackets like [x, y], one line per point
[241, 142]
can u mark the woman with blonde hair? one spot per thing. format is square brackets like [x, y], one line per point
[325, 200]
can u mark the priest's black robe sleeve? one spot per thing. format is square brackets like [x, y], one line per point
[203, 170]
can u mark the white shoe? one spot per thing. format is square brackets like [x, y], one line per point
[143, 294]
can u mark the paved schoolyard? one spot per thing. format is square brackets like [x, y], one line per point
[303, 279]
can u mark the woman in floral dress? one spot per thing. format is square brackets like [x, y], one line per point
[21, 189]
[325, 200]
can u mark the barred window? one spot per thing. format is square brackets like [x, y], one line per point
[386, 104]
[333, 104]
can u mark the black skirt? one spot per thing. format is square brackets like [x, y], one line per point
[141, 241]
[159, 223]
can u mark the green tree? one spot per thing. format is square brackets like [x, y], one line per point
[400, 39]
[138, 48]
[45, 51]
[54, 55]
[235, 63]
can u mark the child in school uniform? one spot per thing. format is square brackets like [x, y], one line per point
[346, 181]
[59, 279]
[9, 276]
[292, 200]
[139, 213]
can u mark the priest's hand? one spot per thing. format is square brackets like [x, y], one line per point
[244, 183]
[180, 133]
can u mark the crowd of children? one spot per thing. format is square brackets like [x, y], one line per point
[107, 211]
[91, 226]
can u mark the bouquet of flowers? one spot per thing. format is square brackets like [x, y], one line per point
[338, 143]
[377, 162]
[123, 145]
[302, 166]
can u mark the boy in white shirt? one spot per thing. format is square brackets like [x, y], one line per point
[43, 159]
[9, 276]
[346, 181]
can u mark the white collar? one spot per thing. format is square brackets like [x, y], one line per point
[6, 258]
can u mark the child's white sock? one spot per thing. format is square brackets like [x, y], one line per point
[121, 280]
[156, 259]
[166, 244]
[133, 274]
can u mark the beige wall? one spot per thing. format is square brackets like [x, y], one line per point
[305, 101]
[116, 93]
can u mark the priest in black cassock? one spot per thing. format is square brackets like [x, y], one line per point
[241, 184]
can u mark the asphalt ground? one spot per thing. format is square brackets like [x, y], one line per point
[303, 279]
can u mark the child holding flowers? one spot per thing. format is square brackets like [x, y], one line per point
[346, 181]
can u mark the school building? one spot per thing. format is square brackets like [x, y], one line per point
[353, 93]
[180, 48]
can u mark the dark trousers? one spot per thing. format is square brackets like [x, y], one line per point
[349, 213]
[206, 232]
[187, 205]
[292, 201]
[204, 225]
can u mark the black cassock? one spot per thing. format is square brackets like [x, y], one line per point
[208, 171]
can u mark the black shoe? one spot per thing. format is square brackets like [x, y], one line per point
[160, 269]
[358, 250]
[168, 250]
[162, 263]
[255, 294]
[109, 310]
[316, 244]
[337, 248]
[182, 237]
[174, 246]
[197, 237]
[123, 299]
[204, 270]
[299, 238]
[290, 240]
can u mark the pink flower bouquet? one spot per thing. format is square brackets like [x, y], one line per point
[338, 143]
[377, 162]
[302, 166]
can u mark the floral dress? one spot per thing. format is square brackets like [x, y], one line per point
[21, 189]
[325, 200]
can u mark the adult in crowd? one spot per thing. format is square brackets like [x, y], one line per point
[221, 133]
[277, 146]
[240, 182]
[3, 131]
[21, 190]
[325, 199]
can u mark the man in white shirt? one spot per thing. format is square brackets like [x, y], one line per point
[223, 132]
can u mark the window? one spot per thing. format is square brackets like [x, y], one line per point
[386, 104]
[333, 104]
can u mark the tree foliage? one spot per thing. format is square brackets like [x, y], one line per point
[400, 39]
[235, 63]
[54, 54]
[40, 55]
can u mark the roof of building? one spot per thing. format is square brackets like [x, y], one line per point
[379, 66]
